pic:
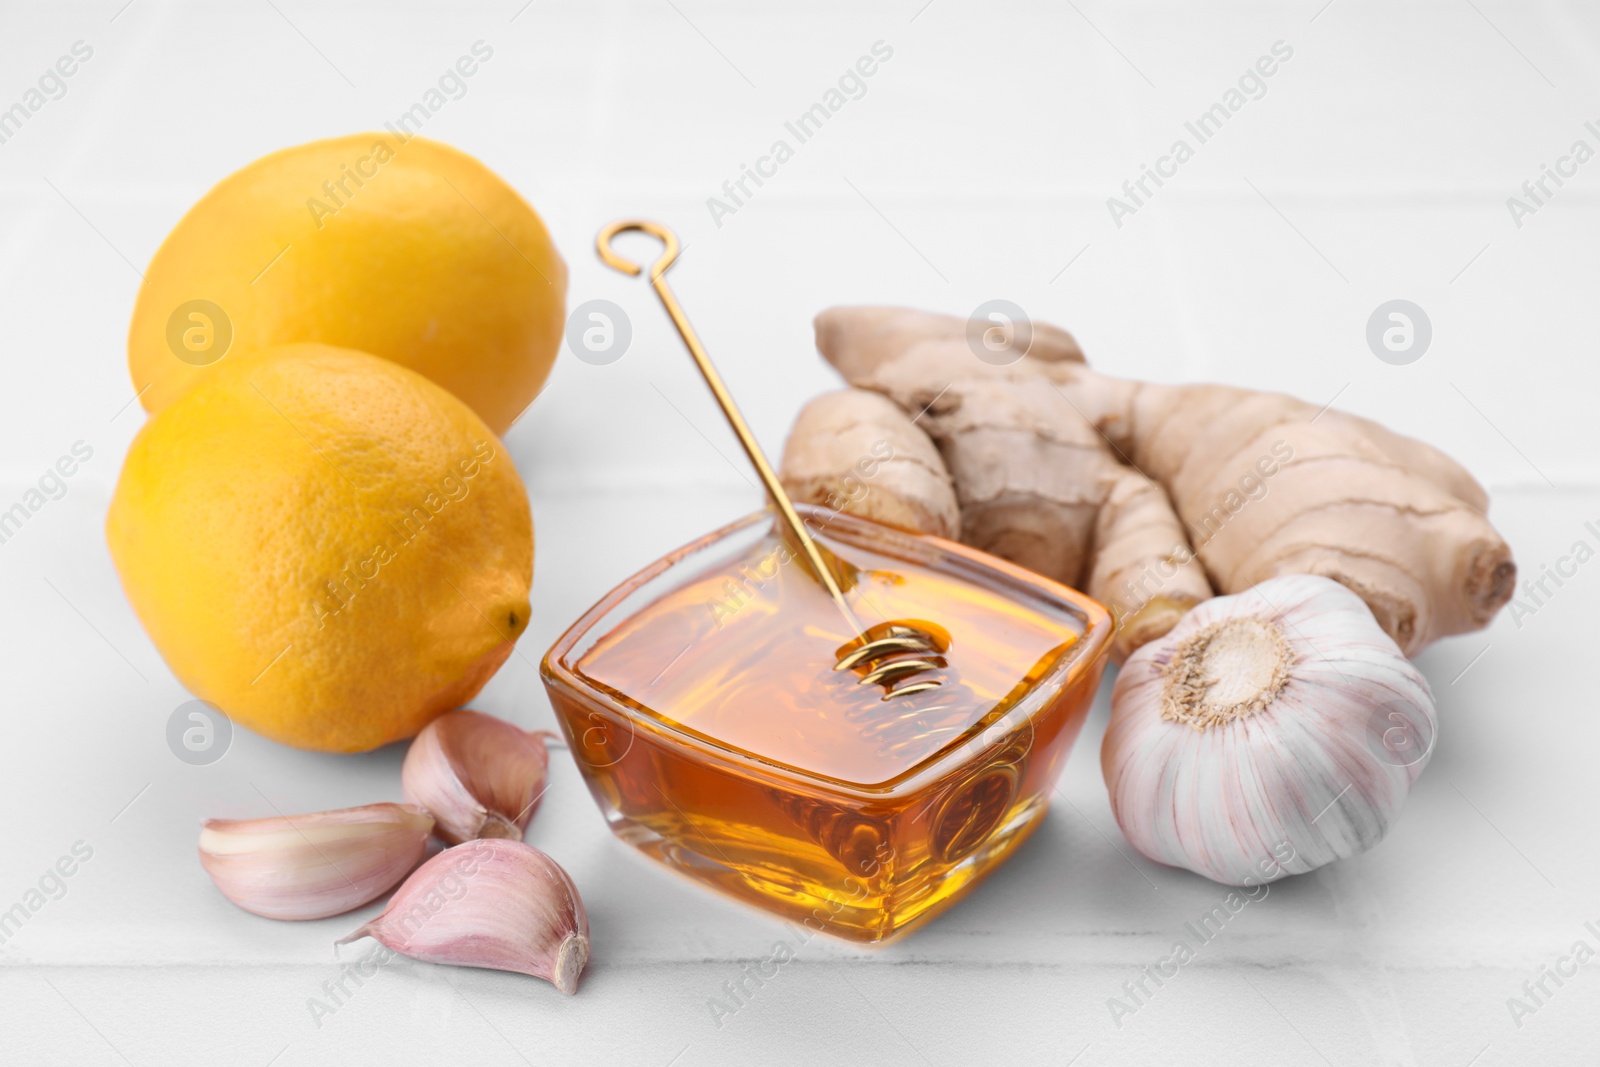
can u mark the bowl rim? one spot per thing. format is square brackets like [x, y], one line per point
[1087, 653]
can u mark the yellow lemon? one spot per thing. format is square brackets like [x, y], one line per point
[397, 246]
[327, 546]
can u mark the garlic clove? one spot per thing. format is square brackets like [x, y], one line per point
[489, 903]
[317, 865]
[479, 776]
[1267, 734]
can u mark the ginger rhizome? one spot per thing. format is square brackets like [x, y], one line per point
[1149, 497]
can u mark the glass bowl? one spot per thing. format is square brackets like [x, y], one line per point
[855, 817]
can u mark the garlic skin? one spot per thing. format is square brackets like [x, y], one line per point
[489, 903]
[1268, 734]
[317, 865]
[478, 776]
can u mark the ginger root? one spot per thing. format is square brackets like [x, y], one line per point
[1148, 496]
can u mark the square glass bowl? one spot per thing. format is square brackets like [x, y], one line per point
[717, 739]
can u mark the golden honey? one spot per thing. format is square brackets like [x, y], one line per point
[702, 704]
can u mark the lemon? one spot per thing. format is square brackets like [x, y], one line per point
[404, 248]
[327, 546]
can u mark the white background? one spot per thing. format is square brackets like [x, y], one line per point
[977, 165]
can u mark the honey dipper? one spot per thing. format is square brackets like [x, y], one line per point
[899, 651]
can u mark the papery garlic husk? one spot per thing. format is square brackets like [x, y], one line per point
[489, 903]
[317, 865]
[1269, 733]
[479, 776]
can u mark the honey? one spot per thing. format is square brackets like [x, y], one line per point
[702, 704]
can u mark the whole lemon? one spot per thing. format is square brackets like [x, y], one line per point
[327, 546]
[398, 246]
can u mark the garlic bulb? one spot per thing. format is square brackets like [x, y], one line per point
[489, 903]
[317, 865]
[1268, 734]
[477, 775]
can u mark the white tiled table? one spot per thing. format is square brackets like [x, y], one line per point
[976, 164]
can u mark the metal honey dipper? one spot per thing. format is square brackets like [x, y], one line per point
[901, 655]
